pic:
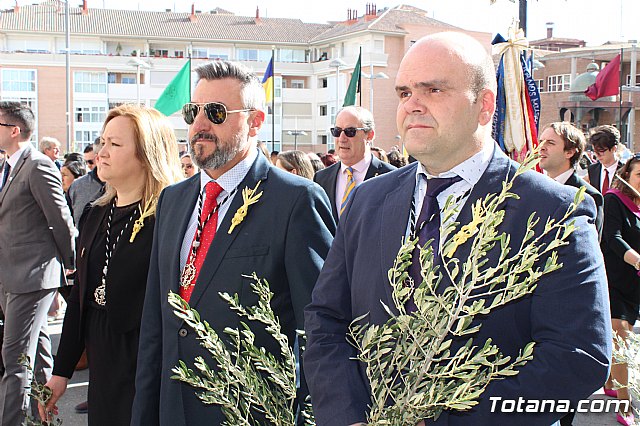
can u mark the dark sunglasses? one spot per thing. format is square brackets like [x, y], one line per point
[90, 162]
[216, 112]
[349, 131]
[8, 125]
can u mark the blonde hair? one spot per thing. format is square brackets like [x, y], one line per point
[156, 148]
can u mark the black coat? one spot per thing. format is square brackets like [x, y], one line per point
[126, 283]
[577, 182]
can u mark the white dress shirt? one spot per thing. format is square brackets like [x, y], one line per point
[470, 171]
[228, 181]
[359, 172]
[612, 169]
[563, 177]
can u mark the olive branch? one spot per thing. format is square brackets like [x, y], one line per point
[40, 393]
[413, 372]
[626, 351]
[245, 380]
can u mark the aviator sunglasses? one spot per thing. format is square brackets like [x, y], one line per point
[349, 131]
[215, 111]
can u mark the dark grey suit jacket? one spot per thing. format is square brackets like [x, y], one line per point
[327, 178]
[567, 315]
[284, 239]
[37, 236]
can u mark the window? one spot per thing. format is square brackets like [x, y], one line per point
[540, 85]
[558, 83]
[160, 53]
[292, 55]
[178, 53]
[112, 78]
[254, 55]
[18, 80]
[297, 84]
[199, 53]
[213, 54]
[90, 113]
[84, 138]
[322, 139]
[323, 83]
[627, 80]
[128, 79]
[323, 110]
[89, 82]
[378, 46]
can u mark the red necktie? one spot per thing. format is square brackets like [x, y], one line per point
[212, 191]
[605, 183]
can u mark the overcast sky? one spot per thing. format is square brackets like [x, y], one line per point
[594, 21]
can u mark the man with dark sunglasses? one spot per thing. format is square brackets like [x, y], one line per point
[354, 132]
[89, 156]
[605, 140]
[199, 251]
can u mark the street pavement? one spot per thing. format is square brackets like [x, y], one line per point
[77, 392]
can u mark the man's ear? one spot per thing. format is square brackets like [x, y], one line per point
[487, 100]
[256, 118]
[568, 153]
[370, 135]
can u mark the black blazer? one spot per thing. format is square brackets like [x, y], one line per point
[577, 182]
[327, 178]
[594, 172]
[621, 232]
[126, 285]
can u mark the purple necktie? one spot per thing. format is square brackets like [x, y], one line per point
[428, 227]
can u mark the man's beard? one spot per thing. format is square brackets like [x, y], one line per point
[224, 152]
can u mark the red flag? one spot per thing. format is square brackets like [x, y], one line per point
[607, 81]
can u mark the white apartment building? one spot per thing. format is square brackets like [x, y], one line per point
[111, 48]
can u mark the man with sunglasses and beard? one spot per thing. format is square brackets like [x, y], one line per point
[353, 132]
[199, 251]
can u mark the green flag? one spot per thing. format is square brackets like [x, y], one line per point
[354, 86]
[177, 93]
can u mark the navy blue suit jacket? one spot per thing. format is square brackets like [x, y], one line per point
[567, 315]
[284, 239]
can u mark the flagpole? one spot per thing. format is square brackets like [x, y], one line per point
[360, 76]
[273, 100]
[620, 94]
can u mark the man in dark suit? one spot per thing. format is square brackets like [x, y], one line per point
[605, 140]
[354, 133]
[37, 239]
[561, 147]
[446, 87]
[283, 238]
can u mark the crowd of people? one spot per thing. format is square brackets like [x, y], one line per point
[131, 219]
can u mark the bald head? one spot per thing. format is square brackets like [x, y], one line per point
[446, 86]
[474, 57]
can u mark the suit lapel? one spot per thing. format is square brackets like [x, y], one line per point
[333, 178]
[374, 168]
[573, 180]
[394, 224]
[23, 159]
[222, 240]
[180, 216]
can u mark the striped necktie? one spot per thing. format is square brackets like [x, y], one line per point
[348, 189]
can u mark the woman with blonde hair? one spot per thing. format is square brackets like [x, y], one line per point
[296, 162]
[139, 158]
